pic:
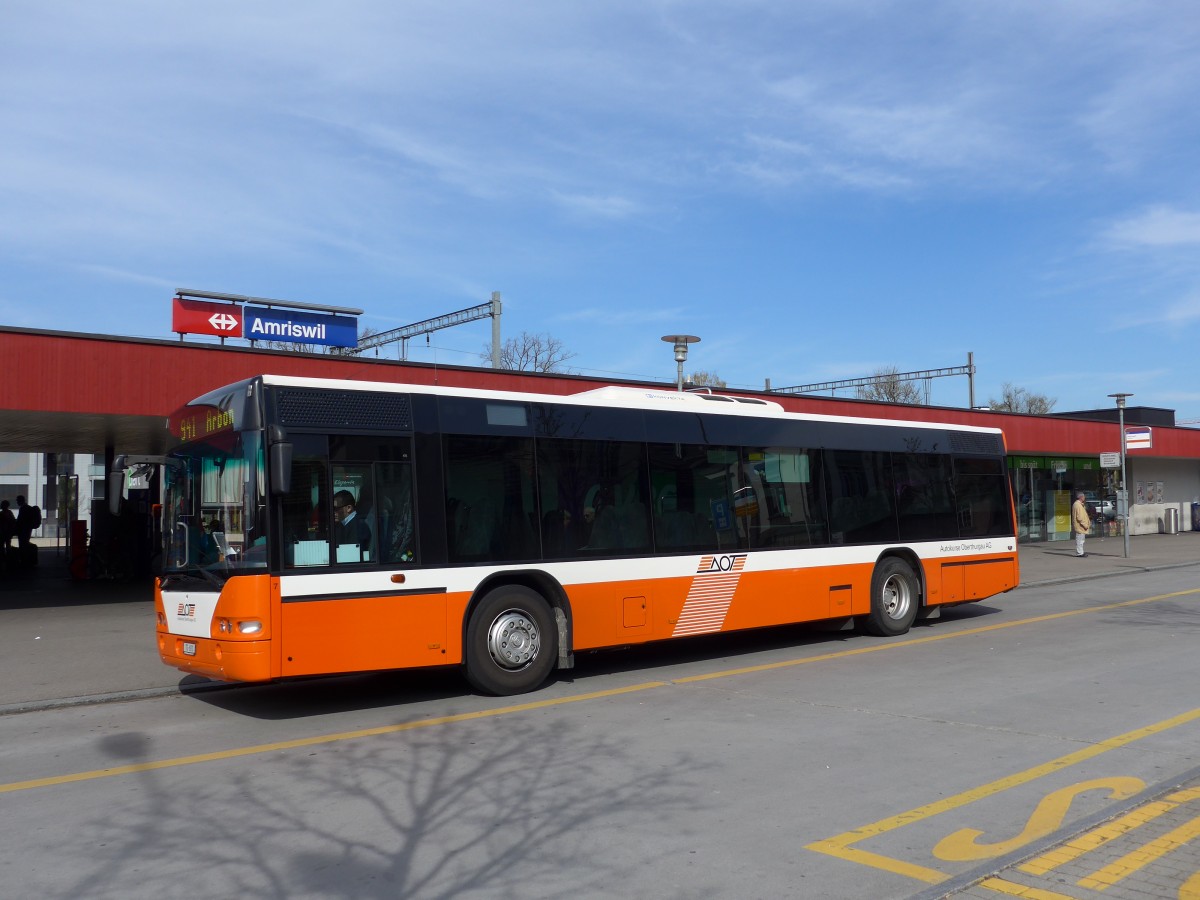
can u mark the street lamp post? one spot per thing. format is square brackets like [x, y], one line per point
[1123, 493]
[680, 342]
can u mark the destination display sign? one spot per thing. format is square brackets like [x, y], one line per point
[197, 422]
[263, 324]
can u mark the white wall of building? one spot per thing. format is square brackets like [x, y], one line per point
[1180, 480]
[22, 473]
[25, 474]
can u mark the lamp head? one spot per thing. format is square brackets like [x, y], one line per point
[680, 343]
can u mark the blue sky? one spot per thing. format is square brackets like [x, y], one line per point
[817, 189]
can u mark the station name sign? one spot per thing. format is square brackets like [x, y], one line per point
[300, 327]
[262, 323]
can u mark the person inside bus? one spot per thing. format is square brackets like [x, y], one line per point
[556, 533]
[397, 526]
[606, 528]
[349, 527]
[207, 546]
[589, 520]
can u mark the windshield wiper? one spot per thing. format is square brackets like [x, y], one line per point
[219, 582]
[170, 578]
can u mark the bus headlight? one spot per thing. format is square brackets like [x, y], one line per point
[224, 626]
[250, 626]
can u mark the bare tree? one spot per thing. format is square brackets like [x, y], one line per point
[888, 387]
[1019, 400]
[706, 379]
[531, 353]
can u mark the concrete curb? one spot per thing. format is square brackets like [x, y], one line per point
[114, 697]
[1128, 570]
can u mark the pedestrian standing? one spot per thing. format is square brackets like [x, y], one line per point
[1081, 522]
[8, 530]
[24, 522]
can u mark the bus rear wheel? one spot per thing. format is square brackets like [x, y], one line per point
[512, 641]
[894, 598]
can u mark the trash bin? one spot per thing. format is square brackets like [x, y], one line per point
[1171, 521]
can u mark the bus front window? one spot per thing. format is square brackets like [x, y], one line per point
[215, 509]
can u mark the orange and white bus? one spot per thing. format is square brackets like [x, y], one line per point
[315, 527]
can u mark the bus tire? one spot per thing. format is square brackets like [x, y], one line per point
[894, 598]
[512, 641]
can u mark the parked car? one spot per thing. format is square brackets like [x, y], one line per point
[1100, 507]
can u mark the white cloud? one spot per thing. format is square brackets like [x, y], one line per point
[1181, 313]
[599, 207]
[126, 277]
[420, 154]
[1157, 226]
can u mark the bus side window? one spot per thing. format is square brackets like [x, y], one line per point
[306, 513]
[593, 492]
[786, 482]
[861, 505]
[924, 502]
[692, 496]
[981, 496]
[397, 543]
[492, 510]
[354, 528]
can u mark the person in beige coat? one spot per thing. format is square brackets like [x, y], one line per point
[1081, 522]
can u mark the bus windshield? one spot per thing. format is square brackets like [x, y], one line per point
[215, 506]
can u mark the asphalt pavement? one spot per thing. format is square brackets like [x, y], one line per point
[65, 642]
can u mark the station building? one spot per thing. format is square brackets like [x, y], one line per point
[73, 401]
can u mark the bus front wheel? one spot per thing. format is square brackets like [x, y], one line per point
[894, 598]
[512, 641]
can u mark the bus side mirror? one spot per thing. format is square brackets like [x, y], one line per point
[281, 468]
[116, 487]
[116, 484]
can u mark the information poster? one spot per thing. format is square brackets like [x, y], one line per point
[1059, 505]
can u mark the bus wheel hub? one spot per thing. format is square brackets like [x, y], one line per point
[513, 640]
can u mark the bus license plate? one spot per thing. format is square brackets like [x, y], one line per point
[189, 648]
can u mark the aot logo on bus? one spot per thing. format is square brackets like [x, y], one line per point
[731, 562]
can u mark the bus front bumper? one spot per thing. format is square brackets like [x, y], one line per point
[221, 660]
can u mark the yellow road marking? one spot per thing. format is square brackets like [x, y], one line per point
[320, 739]
[913, 642]
[1012, 889]
[842, 848]
[964, 845]
[841, 845]
[1110, 831]
[1191, 888]
[1138, 859]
